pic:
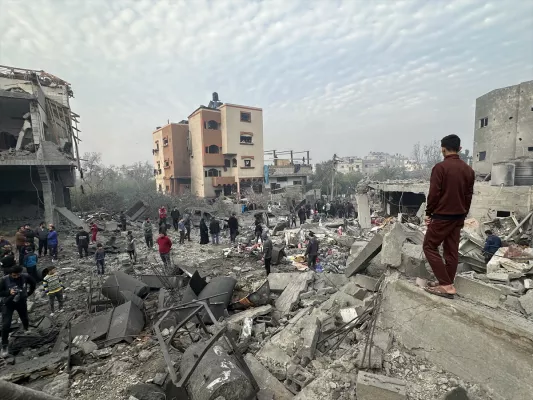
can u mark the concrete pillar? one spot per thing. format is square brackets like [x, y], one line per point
[363, 209]
[49, 205]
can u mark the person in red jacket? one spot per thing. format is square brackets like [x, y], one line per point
[165, 244]
[162, 215]
[94, 232]
[448, 203]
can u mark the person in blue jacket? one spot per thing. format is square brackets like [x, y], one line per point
[52, 242]
[492, 244]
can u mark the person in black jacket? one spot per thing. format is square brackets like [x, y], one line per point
[42, 234]
[8, 260]
[15, 289]
[204, 231]
[82, 241]
[175, 215]
[302, 215]
[233, 225]
[312, 251]
[258, 230]
[214, 230]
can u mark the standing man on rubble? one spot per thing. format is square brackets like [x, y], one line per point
[214, 230]
[233, 225]
[42, 234]
[52, 241]
[148, 233]
[312, 251]
[30, 234]
[20, 241]
[267, 252]
[15, 289]
[165, 245]
[301, 215]
[187, 222]
[82, 241]
[175, 215]
[448, 203]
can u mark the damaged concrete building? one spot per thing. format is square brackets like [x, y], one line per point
[38, 145]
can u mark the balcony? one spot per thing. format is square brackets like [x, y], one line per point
[223, 180]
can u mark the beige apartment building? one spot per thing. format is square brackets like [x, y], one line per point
[224, 151]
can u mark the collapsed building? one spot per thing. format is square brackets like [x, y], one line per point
[38, 145]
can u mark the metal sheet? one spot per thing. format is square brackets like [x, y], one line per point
[126, 323]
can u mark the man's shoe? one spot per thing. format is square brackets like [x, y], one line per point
[4, 352]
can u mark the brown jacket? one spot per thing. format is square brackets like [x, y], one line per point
[20, 239]
[451, 189]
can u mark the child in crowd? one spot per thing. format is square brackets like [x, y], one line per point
[53, 287]
[130, 246]
[181, 228]
[30, 262]
[99, 256]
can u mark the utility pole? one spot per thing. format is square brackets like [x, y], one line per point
[333, 175]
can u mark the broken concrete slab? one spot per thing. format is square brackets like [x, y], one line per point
[526, 301]
[393, 241]
[324, 387]
[362, 260]
[265, 380]
[330, 278]
[274, 359]
[288, 300]
[345, 240]
[72, 218]
[478, 291]
[278, 281]
[373, 387]
[382, 340]
[340, 300]
[499, 341]
[354, 290]
[366, 282]
[47, 363]
[309, 334]
[250, 313]
[372, 359]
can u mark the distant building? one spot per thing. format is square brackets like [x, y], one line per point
[284, 175]
[503, 126]
[350, 165]
[222, 152]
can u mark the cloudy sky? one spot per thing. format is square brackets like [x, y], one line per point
[332, 76]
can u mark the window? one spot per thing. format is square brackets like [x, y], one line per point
[234, 162]
[247, 163]
[284, 179]
[246, 138]
[503, 214]
[483, 122]
[296, 182]
[530, 149]
[246, 116]
[213, 149]
[211, 124]
[212, 172]
[165, 142]
[482, 155]
[227, 163]
[167, 164]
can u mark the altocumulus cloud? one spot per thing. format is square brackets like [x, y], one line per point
[332, 76]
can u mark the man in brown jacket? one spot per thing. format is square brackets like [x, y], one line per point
[448, 203]
[20, 241]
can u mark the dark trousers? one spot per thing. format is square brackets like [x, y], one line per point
[21, 250]
[149, 240]
[43, 246]
[293, 223]
[268, 261]
[447, 233]
[311, 262]
[53, 250]
[232, 235]
[83, 249]
[100, 267]
[302, 220]
[32, 271]
[182, 237]
[165, 257]
[21, 307]
[188, 233]
[133, 255]
[175, 222]
[53, 296]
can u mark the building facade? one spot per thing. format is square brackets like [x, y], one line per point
[172, 169]
[503, 126]
[38, 145]
[221, 147]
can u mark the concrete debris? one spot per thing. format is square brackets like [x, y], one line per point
[267, 381]
[372, 387]
[526, 301]
[372, 359]
[478, 291]
[290, 297]
[362, 260]
[366, 282]
[275, 360]
[457, 393]
[279, 281]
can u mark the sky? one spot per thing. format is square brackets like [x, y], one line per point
[332, 76]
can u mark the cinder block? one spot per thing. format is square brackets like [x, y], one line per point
[297, 378]
[374, 387]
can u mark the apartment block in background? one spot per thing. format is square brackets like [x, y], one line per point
[172, 168]
[223, 149]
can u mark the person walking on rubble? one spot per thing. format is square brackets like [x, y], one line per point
[15, 289]
[204, 231]
[53, 288]
[267, 252]
[30, 235]
[258, 230]
[233, 225]
[292, 218]
[448, 203]
[492, 245]
[82, 241]
[52, 241]
[42, 234]
[94, 232]
[99, 257]
[165, 245]
[20, 242]
[181, 228]
[312, 251]
[130, 246]
[175, 215]
[301, 215]
[148, 233]
[162, 215]
[214, 230]
[187, 222]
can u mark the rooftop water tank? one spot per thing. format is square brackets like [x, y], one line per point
[502, 174]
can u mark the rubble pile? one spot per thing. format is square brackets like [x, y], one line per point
[213, 326]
